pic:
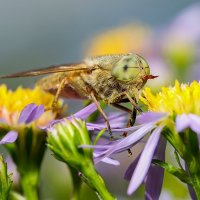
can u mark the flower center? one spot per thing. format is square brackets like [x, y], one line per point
[182, 98]
[12, 102]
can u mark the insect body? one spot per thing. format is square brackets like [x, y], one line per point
[111, 78]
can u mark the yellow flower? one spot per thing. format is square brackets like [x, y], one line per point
[12, 103]
[180, 99]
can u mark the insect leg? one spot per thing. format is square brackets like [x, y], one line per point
[133, 114]
[131, 121]
[59, 90]
[134, 110]
[133, 102]
[102, 112]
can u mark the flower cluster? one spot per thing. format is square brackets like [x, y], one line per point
[172, 118]
[169, 113]
[176, 102]
[12, 103]
[20, 125]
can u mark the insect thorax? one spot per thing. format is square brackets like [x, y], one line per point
[108, 88]
[81, 84]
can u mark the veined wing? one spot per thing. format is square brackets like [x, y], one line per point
[50, 69]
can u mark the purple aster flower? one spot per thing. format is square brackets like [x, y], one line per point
[26, 152]
[141, 169]
[181, 106]
[30, 113]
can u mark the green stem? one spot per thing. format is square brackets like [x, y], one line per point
[76, 183]
[196, 185]
[29, 183]
[94, 180]
[192, 159]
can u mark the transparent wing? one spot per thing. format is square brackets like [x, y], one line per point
[50, 69]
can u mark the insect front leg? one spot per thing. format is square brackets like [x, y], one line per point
[133, 111]
[102, 112]
[132, 118]
[133, 115]
[133, 102]
[58, 92]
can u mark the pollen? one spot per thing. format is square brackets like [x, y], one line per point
[179, 99]
[12, 102]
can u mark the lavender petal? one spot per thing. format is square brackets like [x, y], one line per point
[129, 172]
[144, 161]
[194, 123]
[154, 180]
[116, 119]
[127, 142]
[133, 138]
[26, 112]
[10, 137]
[30, 113]
[85, 112]
[99, 127]
[150, 117]
[108, 161]
[192, 192]
[82, 114]
[182, 122]
[188, 121]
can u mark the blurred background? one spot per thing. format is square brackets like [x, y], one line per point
[35, 34]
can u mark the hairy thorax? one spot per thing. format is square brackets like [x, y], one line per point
[99, 82]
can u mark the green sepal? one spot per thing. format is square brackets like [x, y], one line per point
[178, 173]
[178, 159]
[64, 140]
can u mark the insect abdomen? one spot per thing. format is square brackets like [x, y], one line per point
[52, 82]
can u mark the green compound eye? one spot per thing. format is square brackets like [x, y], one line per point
[143, 64]
[129, 67]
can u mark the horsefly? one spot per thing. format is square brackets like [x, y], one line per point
[113, 79]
